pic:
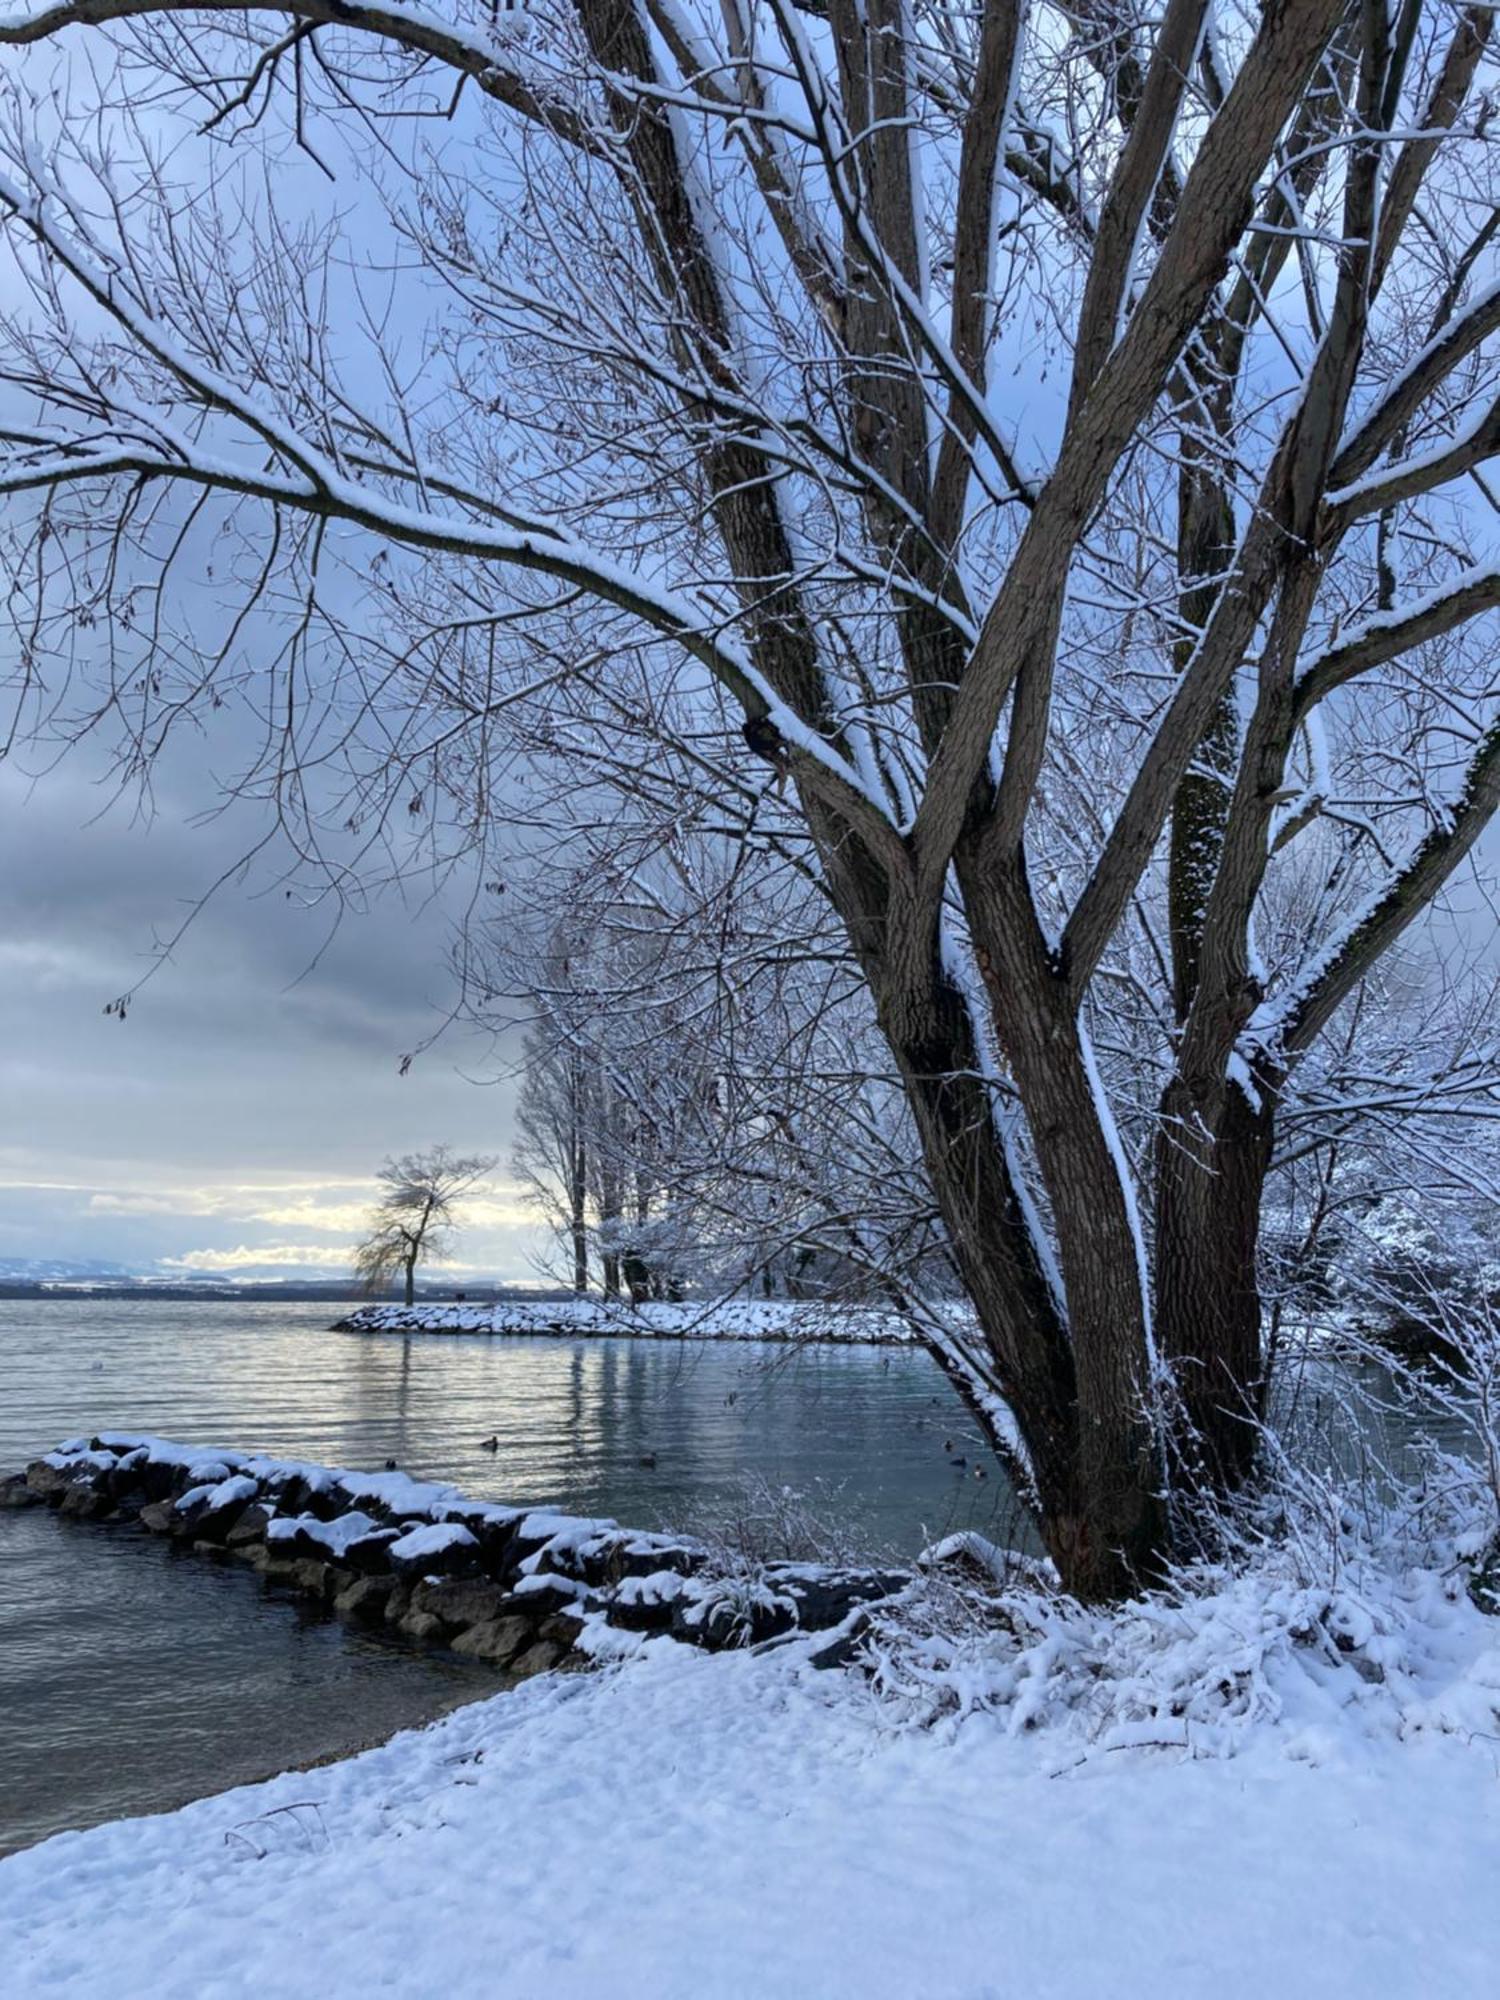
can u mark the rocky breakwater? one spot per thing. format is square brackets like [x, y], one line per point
[523, 1589]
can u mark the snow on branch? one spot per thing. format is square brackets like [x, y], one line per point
[485, 52]
[1297, 1017]
[1389, 634]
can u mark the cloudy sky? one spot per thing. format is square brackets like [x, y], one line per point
[232, 1121]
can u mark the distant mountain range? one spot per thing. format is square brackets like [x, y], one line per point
[60, 1270]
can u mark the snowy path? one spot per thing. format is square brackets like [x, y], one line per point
[733, 1826]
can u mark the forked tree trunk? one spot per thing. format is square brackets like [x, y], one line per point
[1098, 1493]
[1211, 1171]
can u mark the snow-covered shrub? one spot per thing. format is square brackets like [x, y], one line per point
[1456, 1388]
[761, 1527]
[1409, 1275]
[1339, 1609]
[764, 1522]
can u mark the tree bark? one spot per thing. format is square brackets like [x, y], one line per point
[1211, 1166]
[1098, 1490]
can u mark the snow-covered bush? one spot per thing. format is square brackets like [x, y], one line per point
[764, 1521]
[1342, 1609]
[1411, 1276]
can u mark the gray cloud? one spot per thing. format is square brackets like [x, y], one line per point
[253, 1085]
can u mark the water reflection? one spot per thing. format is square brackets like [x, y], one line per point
[574, 1418]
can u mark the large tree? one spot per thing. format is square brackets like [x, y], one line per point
[1050, 439]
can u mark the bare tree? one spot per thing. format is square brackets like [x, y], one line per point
[697, 1038]
[552, 1150]
[1050, 439]
[415, 1217]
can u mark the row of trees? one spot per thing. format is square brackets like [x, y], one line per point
[1010, 478]
[692, 1099]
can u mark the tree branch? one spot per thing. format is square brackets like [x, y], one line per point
[1399, 903]
[1390, 634]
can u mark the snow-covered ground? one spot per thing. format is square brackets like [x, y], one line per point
[690, 1825]
[692, 1319]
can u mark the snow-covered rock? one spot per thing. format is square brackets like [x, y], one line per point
[519, 1587]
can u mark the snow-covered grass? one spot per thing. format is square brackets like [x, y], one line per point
[1282, 1778]
[691, 1319]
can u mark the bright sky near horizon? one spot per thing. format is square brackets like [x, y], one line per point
[233, 1120]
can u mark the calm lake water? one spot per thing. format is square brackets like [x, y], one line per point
[133, 1677]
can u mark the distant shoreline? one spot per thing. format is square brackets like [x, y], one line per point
[570, 1318]
[55, 1290]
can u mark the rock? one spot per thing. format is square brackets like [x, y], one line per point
[14, 1492]
[86, 1502]
[497, 1641]
[159, 1481]
[309, 1575]
[725, 1622]
[248, 1529]
[298, 1495]
[435, 1548]
[824, 1598]
[371, 1554]
[460, 1601]
[562, 1628]
[353, 1540]
[529, 1540]
[493, 1529]
[544, 1594]
[642, 1614]
[494, 1539]
[365, 1599]
[398, 1603]
[421, 1625]
[639, 1557]
[1484, 1580]
[611, 1558]
[47, 1482]
[212, 1517]
[847, 1648]
[124, 1488]
[275, 1568]
[537, 1659]
[158, 1516]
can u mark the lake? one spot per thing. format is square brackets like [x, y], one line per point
[133, 1677]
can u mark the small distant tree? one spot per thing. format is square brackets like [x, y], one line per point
[416, 1214]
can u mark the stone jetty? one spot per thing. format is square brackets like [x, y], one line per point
[524, 1589]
